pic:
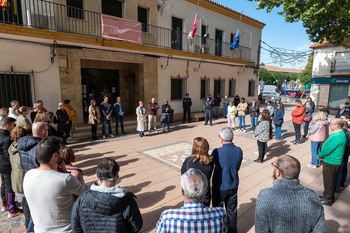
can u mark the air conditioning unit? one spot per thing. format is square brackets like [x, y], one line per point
[37, 20]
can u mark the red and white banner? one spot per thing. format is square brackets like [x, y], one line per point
[115, 28]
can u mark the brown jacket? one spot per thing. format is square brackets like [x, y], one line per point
[152, 109]
[242, 109]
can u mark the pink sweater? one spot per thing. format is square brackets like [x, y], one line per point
[74, 171]
[320, 134]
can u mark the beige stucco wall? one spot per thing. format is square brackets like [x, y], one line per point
[27, 57]
[144, 68]
[211, 71]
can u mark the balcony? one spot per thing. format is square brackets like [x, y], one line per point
[61, 18]
[342, 67]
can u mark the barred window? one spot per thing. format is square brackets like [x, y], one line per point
[232, 88]
[251, 88]
[219, 87]
[75, 9]
[204, 87]
[178, 88]
[15, 86]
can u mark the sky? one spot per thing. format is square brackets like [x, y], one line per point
[276, 33]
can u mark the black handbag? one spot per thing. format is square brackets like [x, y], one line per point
[278, 122]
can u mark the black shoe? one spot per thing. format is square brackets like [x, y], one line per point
[293, 141]
[140, 134]
[325, 203]
[123, 133]
[296, 143]
[143, 134]
[205, 124]
[304, 136]
[258, 161]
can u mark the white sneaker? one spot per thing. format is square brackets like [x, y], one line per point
[104, 136]
[243, 131]
[238, 130]
[111, 136]
[256, 152]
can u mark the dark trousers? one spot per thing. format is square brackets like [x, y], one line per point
[121, 120]
[344, 171]
[297, 131]
[26, 212]
[94, 131]
[68, 129]
[330, 175]
[229, 198]
[306, 128]
[6, 188]
[188, 111]
[105, 121]
[262, 149]
[208, 116]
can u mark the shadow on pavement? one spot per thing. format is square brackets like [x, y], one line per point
[246, 221]
[149, 199]
[137, 188]
[332, 226]
[277, 149]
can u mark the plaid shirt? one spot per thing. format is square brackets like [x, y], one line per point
[193, 217]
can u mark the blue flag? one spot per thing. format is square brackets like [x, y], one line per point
[235, 44]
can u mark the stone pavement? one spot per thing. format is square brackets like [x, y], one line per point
[150, 167]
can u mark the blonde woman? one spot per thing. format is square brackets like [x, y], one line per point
[201, 160]
[317, 135]
[94, 118]
[22, 117]
[141, 119]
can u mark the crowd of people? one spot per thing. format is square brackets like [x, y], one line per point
[36, 163]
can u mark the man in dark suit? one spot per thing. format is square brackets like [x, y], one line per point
[186, 104]
[119, 112]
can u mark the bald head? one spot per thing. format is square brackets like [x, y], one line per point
[289, 167]
[337, 124]
[40, 130]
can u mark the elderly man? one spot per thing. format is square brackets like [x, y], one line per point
[194, 216]
[12, 110]
[51, 194]
[115, 208]
[152, 114]
[341, 110]
[227, 160]
[332, 153]
[288, 206]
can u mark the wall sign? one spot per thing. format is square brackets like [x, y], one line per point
[345, 80]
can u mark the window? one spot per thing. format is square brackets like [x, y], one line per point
[75, 9]
[218, 42]
[178, 88]
[232, 88]
[176, 34]
[204, 87]
[112, 7]
[251, 88]
[142, 18]
[15, 86]
[232, 38]
[219, 87]
[203, 34]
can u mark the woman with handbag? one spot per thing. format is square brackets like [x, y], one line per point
[94, 118]
[165, 117]
[201, 160]
[278, 121]
[141, 119]
[307, 118]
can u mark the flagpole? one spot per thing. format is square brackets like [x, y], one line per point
[197, 7]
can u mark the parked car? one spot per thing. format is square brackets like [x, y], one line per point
[297, 94]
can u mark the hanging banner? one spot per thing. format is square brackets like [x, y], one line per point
[115, 28]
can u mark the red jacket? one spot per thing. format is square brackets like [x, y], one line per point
[298, 115]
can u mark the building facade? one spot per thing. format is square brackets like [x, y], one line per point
[58, 49]
[330, 74]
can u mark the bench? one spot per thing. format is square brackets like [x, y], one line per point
[197, 116]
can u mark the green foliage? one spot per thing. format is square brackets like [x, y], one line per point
[271, 77]
[305, 76]
[323, 19]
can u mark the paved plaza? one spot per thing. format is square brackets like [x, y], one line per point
[150, 168]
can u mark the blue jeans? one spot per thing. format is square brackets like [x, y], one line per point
[225, 110]
[278, 131]
[241, 120]
[167, 119]
[315, 149]
[254, 122]
[216, 111]
[109, 125]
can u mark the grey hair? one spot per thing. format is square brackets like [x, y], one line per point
[194, 185]
[226, 134]
[13, 103]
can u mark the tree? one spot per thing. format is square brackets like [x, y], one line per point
[323, 19]
[266, 76]
[305, 76]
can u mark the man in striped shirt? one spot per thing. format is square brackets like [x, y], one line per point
[193, 216]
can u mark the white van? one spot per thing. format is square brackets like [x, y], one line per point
[271, 92]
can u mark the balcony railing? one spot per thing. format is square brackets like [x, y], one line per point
[340, 67]
[58, 17]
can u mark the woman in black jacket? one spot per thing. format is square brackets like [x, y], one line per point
[201, 160]
[165, 117]
[62, 121]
